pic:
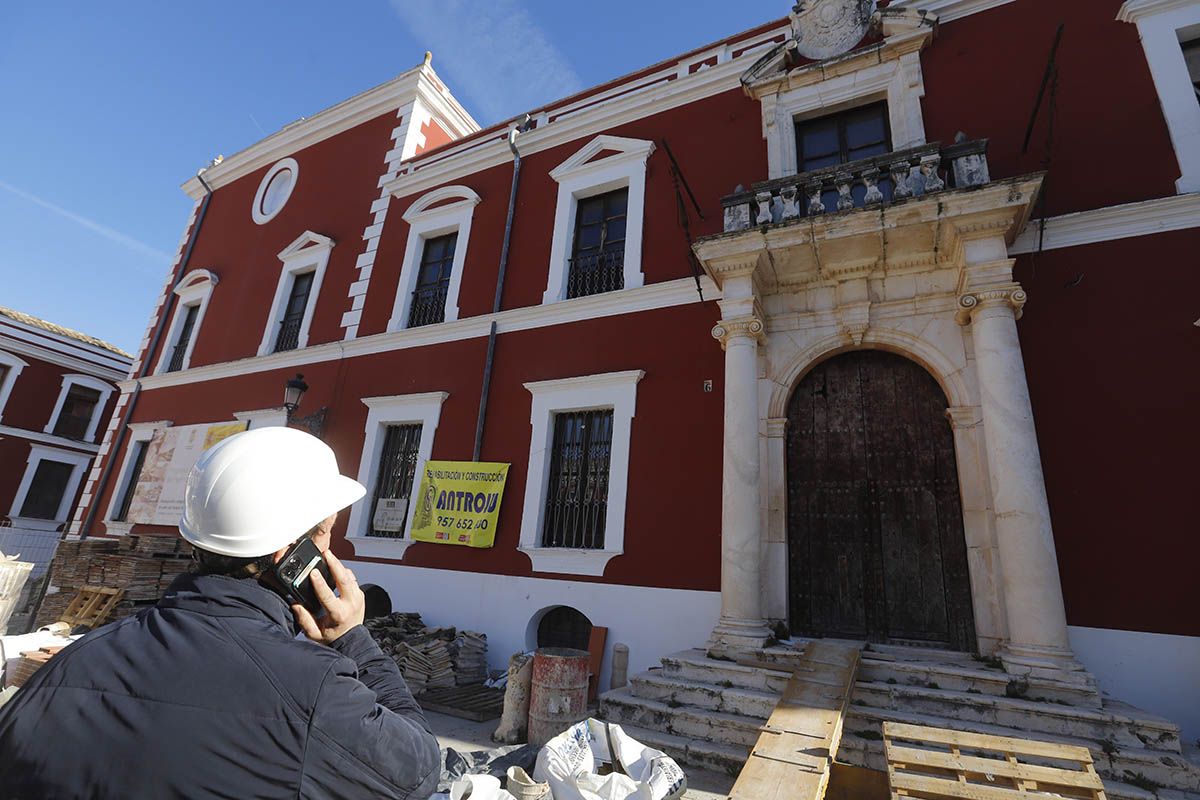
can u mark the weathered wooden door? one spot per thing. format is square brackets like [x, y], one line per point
[876, 546]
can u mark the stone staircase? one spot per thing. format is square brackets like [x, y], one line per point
[707, 713]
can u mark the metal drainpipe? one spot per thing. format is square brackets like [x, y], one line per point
[508, 222]
[115, 447]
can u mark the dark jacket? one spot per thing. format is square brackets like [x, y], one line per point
[208, 694]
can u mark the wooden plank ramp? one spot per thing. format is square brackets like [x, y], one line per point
[940, 764]
[793, 754]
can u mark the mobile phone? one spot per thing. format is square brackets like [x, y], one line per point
[289, 577]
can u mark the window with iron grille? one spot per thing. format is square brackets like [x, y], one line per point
[3, 376]
[185, 336]
[77, 410]
[433, 281]
[397, 469]
[598, 252]
[1191, 55]
[841, 138]
[293, 312]
[46, 489]
[577, 490]
[564, 627]
[135, 472]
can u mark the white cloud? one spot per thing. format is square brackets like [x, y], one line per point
[494, 54]
[95, 227]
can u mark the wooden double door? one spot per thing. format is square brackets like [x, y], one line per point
[875, 534]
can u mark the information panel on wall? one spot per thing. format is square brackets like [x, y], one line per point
[170, 456]
[459, 502]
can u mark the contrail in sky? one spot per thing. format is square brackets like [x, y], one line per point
[93, 226]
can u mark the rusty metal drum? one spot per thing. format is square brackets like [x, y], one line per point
[558, 692]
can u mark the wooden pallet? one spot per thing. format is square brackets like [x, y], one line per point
[478, 703]
[92, 605]
[793, 755]
[939, 764]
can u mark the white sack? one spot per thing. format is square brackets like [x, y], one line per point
[570, 762]
[475, 787]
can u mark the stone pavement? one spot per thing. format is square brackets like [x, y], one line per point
[466, 736]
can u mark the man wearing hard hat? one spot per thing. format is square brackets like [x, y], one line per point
[210, 693]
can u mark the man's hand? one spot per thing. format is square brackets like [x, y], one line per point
[341, 613]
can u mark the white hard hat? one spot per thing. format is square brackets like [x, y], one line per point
[260, 490]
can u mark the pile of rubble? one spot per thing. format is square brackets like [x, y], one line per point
[431, 658]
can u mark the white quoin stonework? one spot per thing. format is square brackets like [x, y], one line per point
[928, 279]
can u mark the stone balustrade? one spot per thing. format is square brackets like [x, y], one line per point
[887, 178]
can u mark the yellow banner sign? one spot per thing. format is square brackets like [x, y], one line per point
[459, 503]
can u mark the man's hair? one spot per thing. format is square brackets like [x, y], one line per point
[210, 563]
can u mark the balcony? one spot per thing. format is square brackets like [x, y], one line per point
[428, 304]
[875, 181]
[907, 210]
[289, 333]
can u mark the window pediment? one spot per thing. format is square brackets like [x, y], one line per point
[442, 200]
[305, 244]
[602, 152]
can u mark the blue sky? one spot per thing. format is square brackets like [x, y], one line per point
[109, 107]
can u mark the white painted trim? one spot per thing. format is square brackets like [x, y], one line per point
[1143, 218]
[421, 81]
[263, 417]
[653, 622]
[308, 253]
[1161, 26]
[256, 211]
[138, 432]
[37, 454]
[898, 80]
[48, 438]
[14, 366]
[424, 224]
[579, 178]
[948, 10]
[678, 292]
[426, 409]
[615, 390]
[105, 390]
[1154, 671]
[194, 289]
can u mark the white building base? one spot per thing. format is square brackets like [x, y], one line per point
[1156, 672]
[652, 622]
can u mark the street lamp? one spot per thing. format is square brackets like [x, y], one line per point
[293, 391]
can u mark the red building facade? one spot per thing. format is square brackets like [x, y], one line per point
[58, 389]
[373, 247]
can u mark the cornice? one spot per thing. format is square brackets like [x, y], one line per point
[948, 10]
[50, 439]
[1133, 10]
[1143, 218]
[560, 126]
[11, 345]
[421, 83]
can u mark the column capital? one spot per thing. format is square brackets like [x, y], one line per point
[738, 327]
[777, 427]
[970, 303]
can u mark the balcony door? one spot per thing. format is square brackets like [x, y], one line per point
[875, 532]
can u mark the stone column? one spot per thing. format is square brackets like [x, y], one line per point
[1033, 601]
[742, 625]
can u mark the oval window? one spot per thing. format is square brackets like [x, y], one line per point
[275, 189]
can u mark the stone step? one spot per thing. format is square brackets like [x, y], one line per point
[1095, 725]
[1120, 764]
[679, 691]
[623, 707]
[698, 753]
[751, 691]
[975, 675]
[953, 671]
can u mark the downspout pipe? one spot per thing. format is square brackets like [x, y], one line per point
[159, 327]
[508, 223]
